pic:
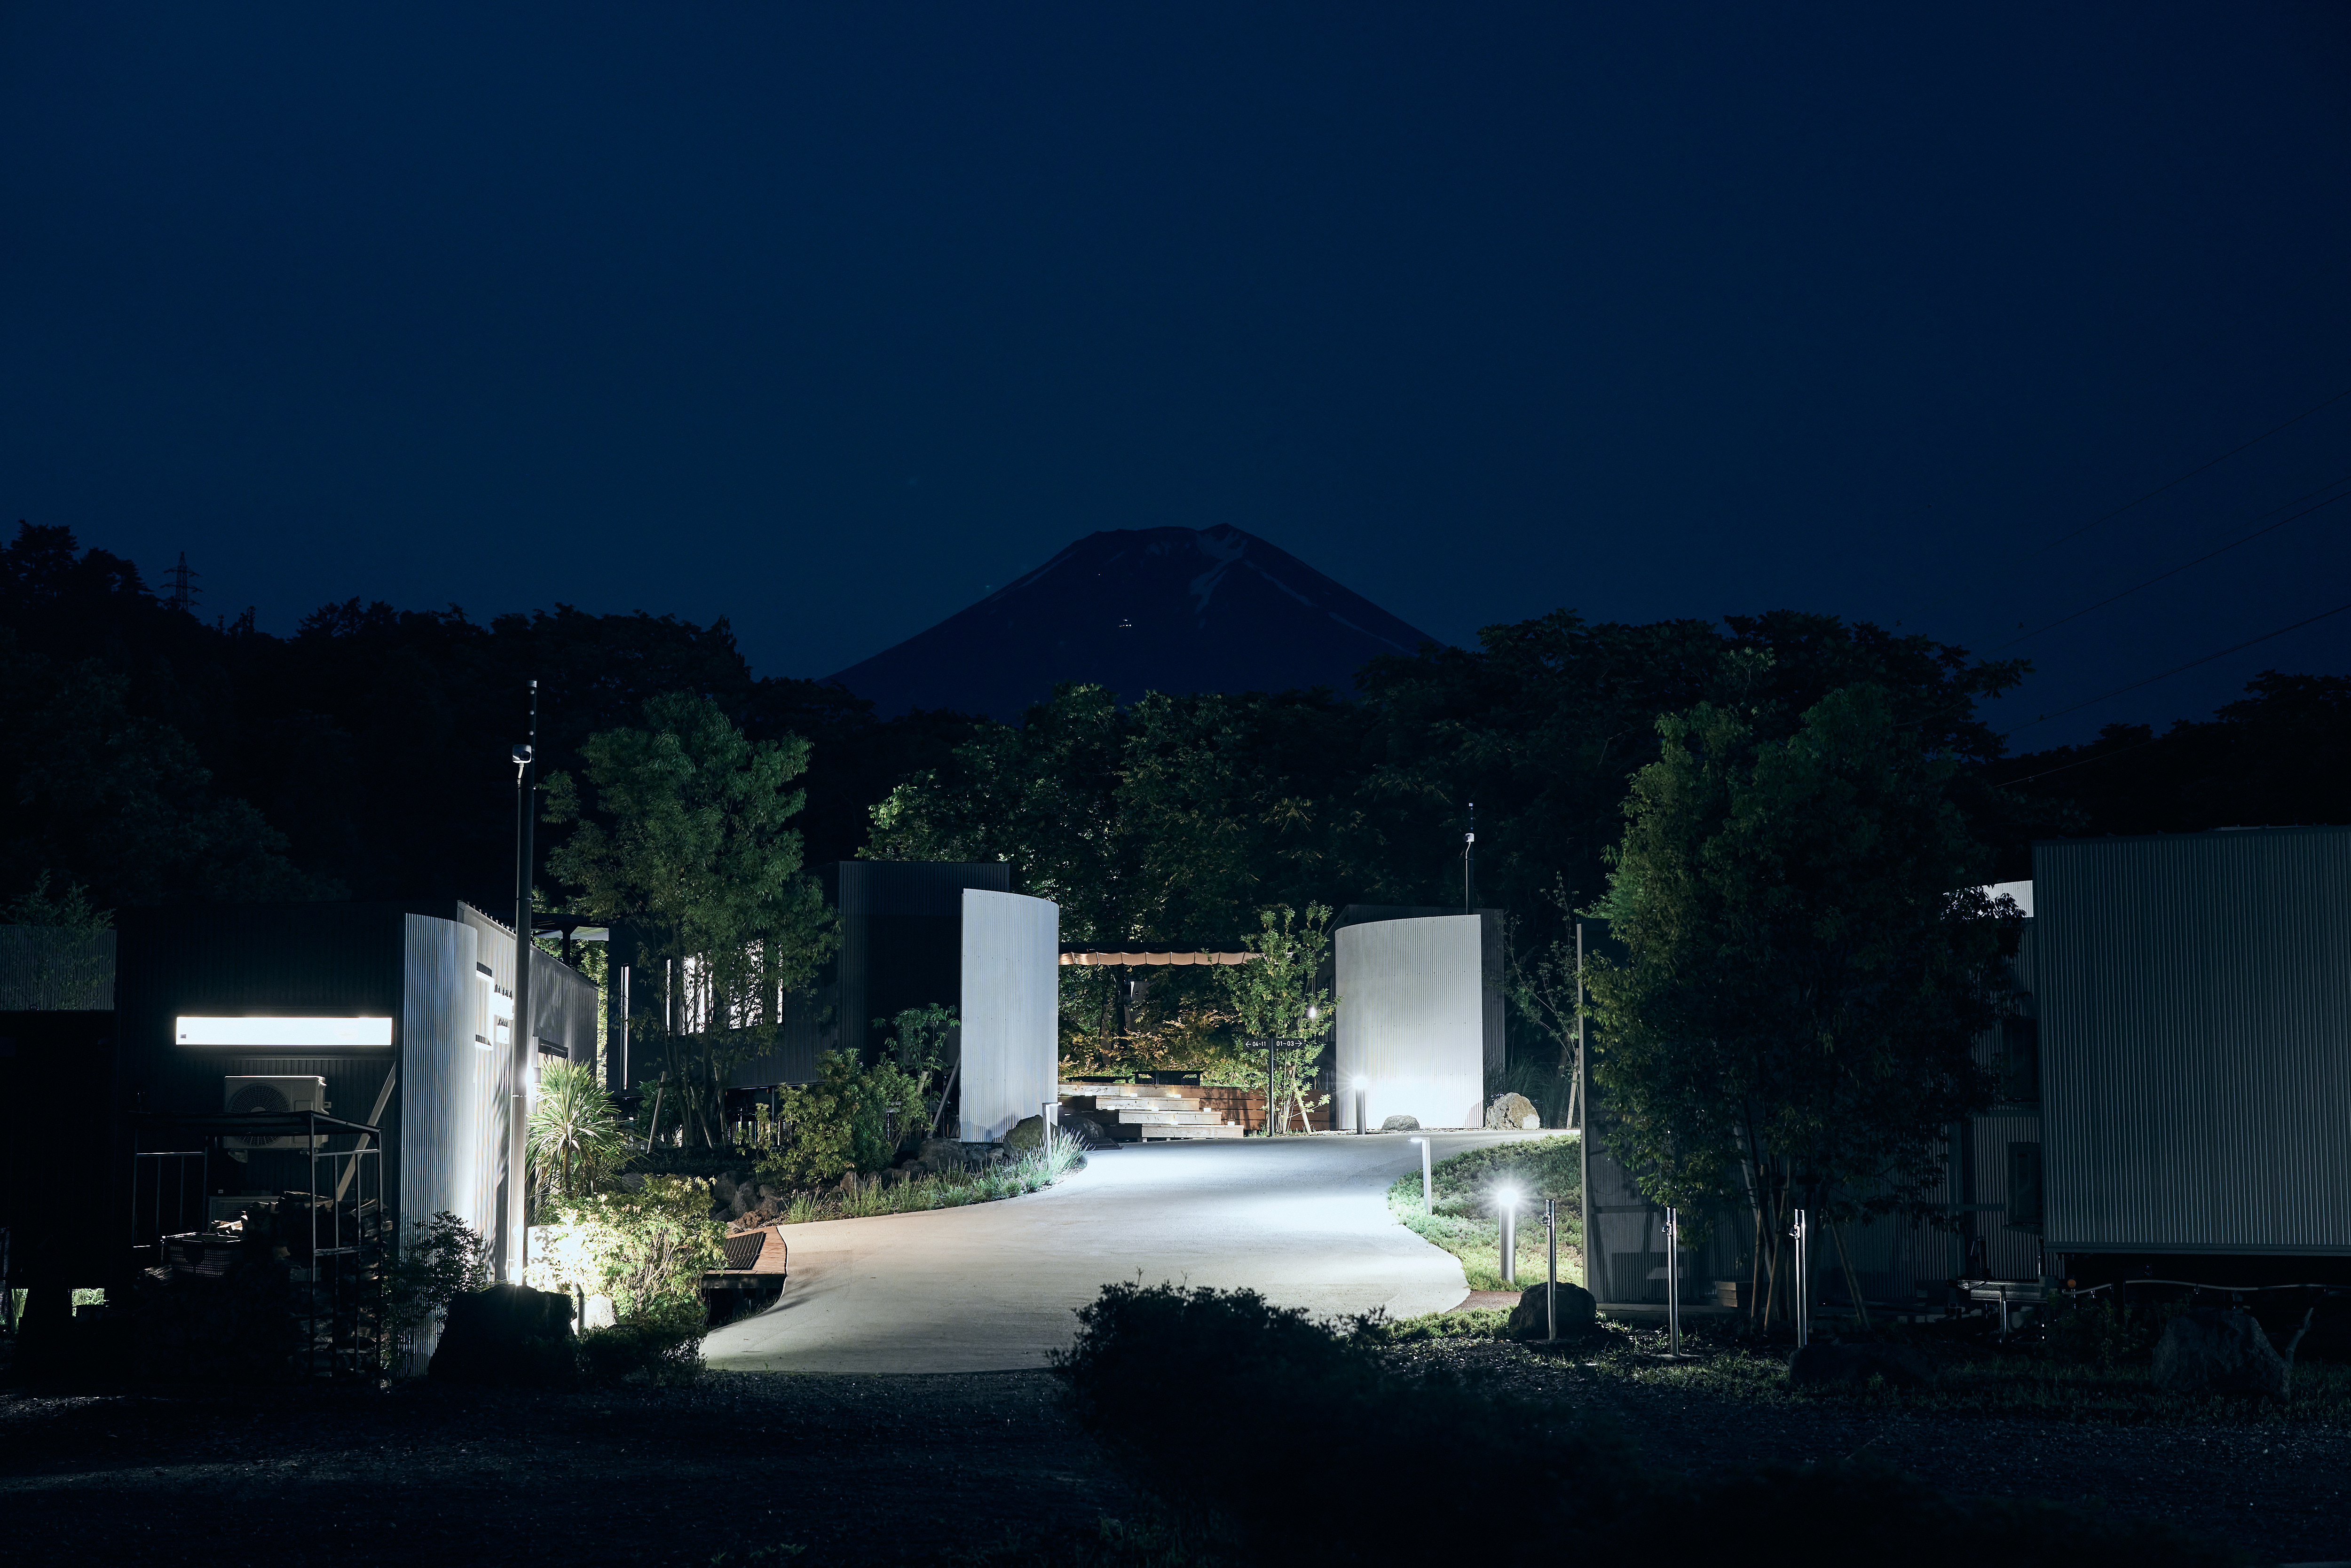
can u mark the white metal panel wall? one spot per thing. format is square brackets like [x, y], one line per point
[449, 1122]
[1011, 1011]
[2195, 1003]
[1412, 1023]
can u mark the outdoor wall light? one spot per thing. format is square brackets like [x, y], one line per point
[306, 1033]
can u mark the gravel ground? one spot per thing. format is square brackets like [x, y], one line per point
[2279, 1494]
[856, 1469]
[929, 1469]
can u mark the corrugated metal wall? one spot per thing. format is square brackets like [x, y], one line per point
[2195, 1016]
[1009, 1004]
[448, 1139]
[45, 970]
[1412, 1017]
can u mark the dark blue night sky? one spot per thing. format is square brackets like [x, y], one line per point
[827, 317]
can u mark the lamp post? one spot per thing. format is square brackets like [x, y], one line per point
[1804, 1302]
[524, 1039]
[1673, 1281]
[1362, 1091]
[1427, 1183]
[1551, 1281]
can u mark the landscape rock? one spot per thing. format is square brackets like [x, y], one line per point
[1027, 1135]
[1512, 1111]
[1401, 1124]
[506, 1335]
[1827, 1363]
[1528, 1320]
[2208, 1350]
[599, 1313]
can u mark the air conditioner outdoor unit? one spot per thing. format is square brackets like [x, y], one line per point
[246, 1095]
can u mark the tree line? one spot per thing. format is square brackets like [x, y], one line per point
[1781, 819]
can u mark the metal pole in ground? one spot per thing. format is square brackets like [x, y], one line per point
[1550, 1284]
[1673, 1281]
[1804, 1293]
[1428, 1185]
[1510, 1241]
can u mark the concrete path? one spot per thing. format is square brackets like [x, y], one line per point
[992, 1286]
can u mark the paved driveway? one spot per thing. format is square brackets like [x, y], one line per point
[992, 1286]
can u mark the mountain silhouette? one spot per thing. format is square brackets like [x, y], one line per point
[1137, 610]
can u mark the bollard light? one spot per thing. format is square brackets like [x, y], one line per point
[1509, 1199]
[1362, 1090]
[1428, 1185]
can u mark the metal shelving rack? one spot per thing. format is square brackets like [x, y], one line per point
[337, 1281]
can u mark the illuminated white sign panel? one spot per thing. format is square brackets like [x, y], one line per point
[307, 1034]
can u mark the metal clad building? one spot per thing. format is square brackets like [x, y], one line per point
[2194, 1028]
[901, 947]
[441, 1087]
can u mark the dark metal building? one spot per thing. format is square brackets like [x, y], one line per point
[2195, 1044]
[901, 947]
[403, 1012]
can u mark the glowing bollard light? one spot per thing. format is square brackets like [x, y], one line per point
[1427, 1183]
[1363, 1094]
[1509, 1196]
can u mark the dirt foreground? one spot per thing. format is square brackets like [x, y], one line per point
[930, 1468]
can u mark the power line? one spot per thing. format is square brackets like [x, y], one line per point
[2084, 761]
[2149, 495]
[2199, 560]
[2238, 648]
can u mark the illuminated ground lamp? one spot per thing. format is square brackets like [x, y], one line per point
[1510, 1197]
[1427, 1183]
[1363, 1094]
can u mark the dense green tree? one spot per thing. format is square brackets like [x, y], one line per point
[685, 835]
[1810, 961]
[102, 797]
[1160, 824]
[1545, 722]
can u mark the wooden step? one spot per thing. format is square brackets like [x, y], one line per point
[1159, 1132]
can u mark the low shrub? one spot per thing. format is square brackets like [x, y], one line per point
[646, 1249]
[442, 1257]
[2104, 1333]
[664, 1350]
[1275, 1409]
[1246, 1420]
[851, 1118]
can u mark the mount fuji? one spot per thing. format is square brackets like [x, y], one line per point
[1137, 610]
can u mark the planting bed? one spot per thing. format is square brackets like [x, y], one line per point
[2279, 1491]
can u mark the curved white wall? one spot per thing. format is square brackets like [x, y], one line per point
[1412, 1019]
[1011, 1011]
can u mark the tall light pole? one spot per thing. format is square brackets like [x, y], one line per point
[524, 1039]
[1469, 862]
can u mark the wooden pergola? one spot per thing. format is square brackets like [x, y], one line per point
[1092, 960]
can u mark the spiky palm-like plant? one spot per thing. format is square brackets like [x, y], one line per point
[574, 1131]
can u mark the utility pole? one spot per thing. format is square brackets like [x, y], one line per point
[1469, 862]
[524, 1039]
